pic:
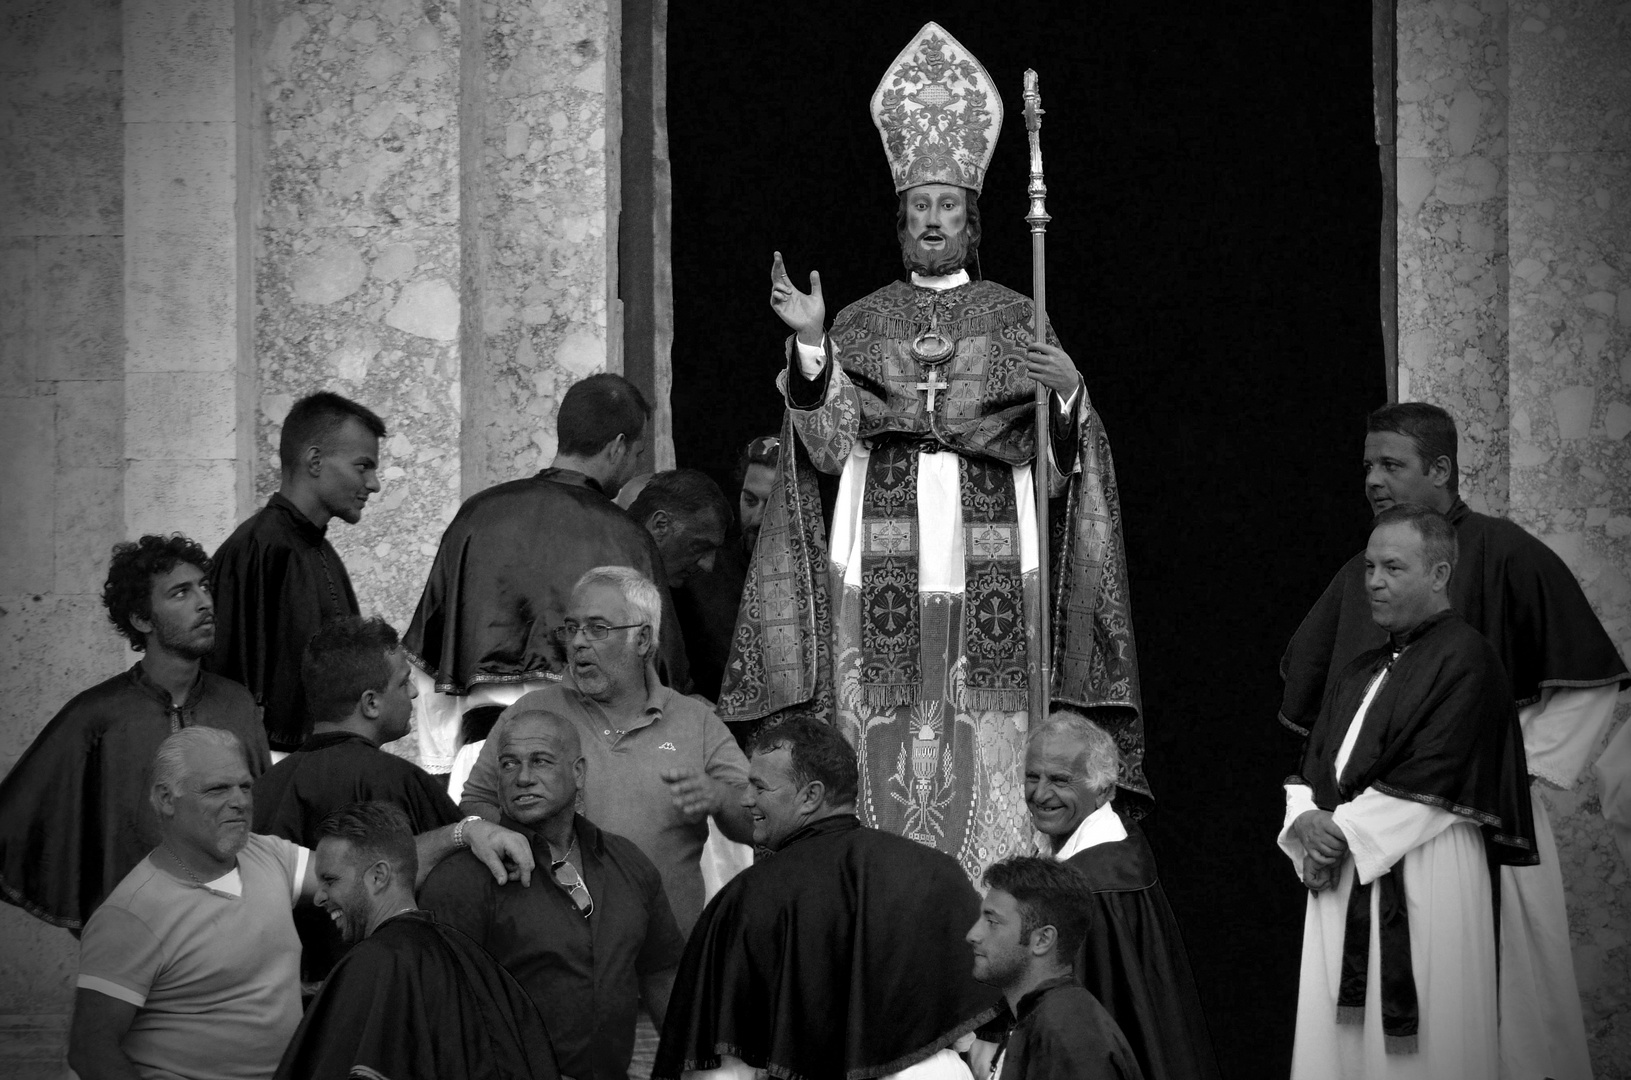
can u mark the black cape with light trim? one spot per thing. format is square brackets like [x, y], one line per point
[74, 810]
[840, 956]
[417, 1000]
[503, 575]
[1442, 730]
[1507, 585]
[1134, 961]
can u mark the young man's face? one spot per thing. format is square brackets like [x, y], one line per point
[396, 703]
[756, 485]
[348, 472]
[341, 890]
[1000, 949]
[182, 619]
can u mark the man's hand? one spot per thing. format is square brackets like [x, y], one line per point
[806, 313]
[1319, 835]
[1052, 367]
[697, 796]
[1318, 875]
[500, 849]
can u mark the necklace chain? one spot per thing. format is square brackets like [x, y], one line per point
[185, 869]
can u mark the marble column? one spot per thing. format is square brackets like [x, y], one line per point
[1569, 196]
[357, 260]
[1514, 226]
[62, 399]
[1452, 228]
[540, 211]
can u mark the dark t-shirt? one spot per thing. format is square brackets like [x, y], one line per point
[583, 974]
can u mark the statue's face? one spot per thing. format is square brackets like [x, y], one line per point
[936, 239]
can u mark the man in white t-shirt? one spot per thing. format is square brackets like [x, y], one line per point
[191, 967]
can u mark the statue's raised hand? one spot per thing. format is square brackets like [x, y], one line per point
[806, 313]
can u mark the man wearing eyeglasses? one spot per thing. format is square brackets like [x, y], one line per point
[659, 764]
[599, 941]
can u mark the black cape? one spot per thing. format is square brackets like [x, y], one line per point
[1134, 962]
[74, 810]
[504, 573]
[1508, 585]
[1061, 1032]
[417, 1000]
[1442, 730]
[276, 580]
[841, 955]
[334, 769]
[706, 605]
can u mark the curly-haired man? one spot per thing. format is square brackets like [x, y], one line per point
[74, 812]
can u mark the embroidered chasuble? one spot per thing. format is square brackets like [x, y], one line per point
[915, 625]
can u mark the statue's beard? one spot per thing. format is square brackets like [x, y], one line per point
[935, 262]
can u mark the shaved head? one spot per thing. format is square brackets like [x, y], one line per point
[538, 722]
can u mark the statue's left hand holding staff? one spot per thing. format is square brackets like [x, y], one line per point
[806, 314]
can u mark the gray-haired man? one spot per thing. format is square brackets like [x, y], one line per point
[191, 967]
[659, 764]
[1133, 959]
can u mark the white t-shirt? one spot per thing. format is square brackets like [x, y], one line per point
[214, 970]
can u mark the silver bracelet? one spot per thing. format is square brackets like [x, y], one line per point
[458, 830]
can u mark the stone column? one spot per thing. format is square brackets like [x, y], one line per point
[1569, 192]
[62, 394]
[357, 260]
[1514, 226]
[541, 110]
[1452, 228]
[182, 261]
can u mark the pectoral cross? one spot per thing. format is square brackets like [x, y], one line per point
[931, 386]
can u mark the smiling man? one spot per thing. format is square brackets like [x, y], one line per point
[1411, 788]
[1132, 956]
[594, 944]
[190, 968]
[921, 601]
[358, 688]
[1565, 674]
[74, 812]
[405, 964]
[277, 578]
[839, 954]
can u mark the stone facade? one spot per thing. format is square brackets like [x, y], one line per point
[1514, 228]
[62, 428]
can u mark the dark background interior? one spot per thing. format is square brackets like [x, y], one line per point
[1212, 268]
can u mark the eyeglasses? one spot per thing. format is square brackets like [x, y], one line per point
[595, 631]
[568, 878]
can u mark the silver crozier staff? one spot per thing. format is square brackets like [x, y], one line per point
[1038, 217]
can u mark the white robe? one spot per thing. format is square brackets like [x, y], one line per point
[1452, 940]
[1543, 1033]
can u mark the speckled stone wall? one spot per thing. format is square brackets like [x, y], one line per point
[1514, 179]
[1452, 228]
[357, 265]
[541, 180]
[62, 396]
[1569, 191]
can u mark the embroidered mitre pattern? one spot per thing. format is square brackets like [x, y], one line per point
[938, 113]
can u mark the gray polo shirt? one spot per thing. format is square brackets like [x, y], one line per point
[624, 792]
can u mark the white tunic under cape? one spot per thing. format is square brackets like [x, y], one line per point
[1452, 939]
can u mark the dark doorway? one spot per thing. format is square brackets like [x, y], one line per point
[1213, 270]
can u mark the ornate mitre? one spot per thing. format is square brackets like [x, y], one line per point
[938, 113]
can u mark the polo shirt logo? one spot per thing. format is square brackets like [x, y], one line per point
[669, 747]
